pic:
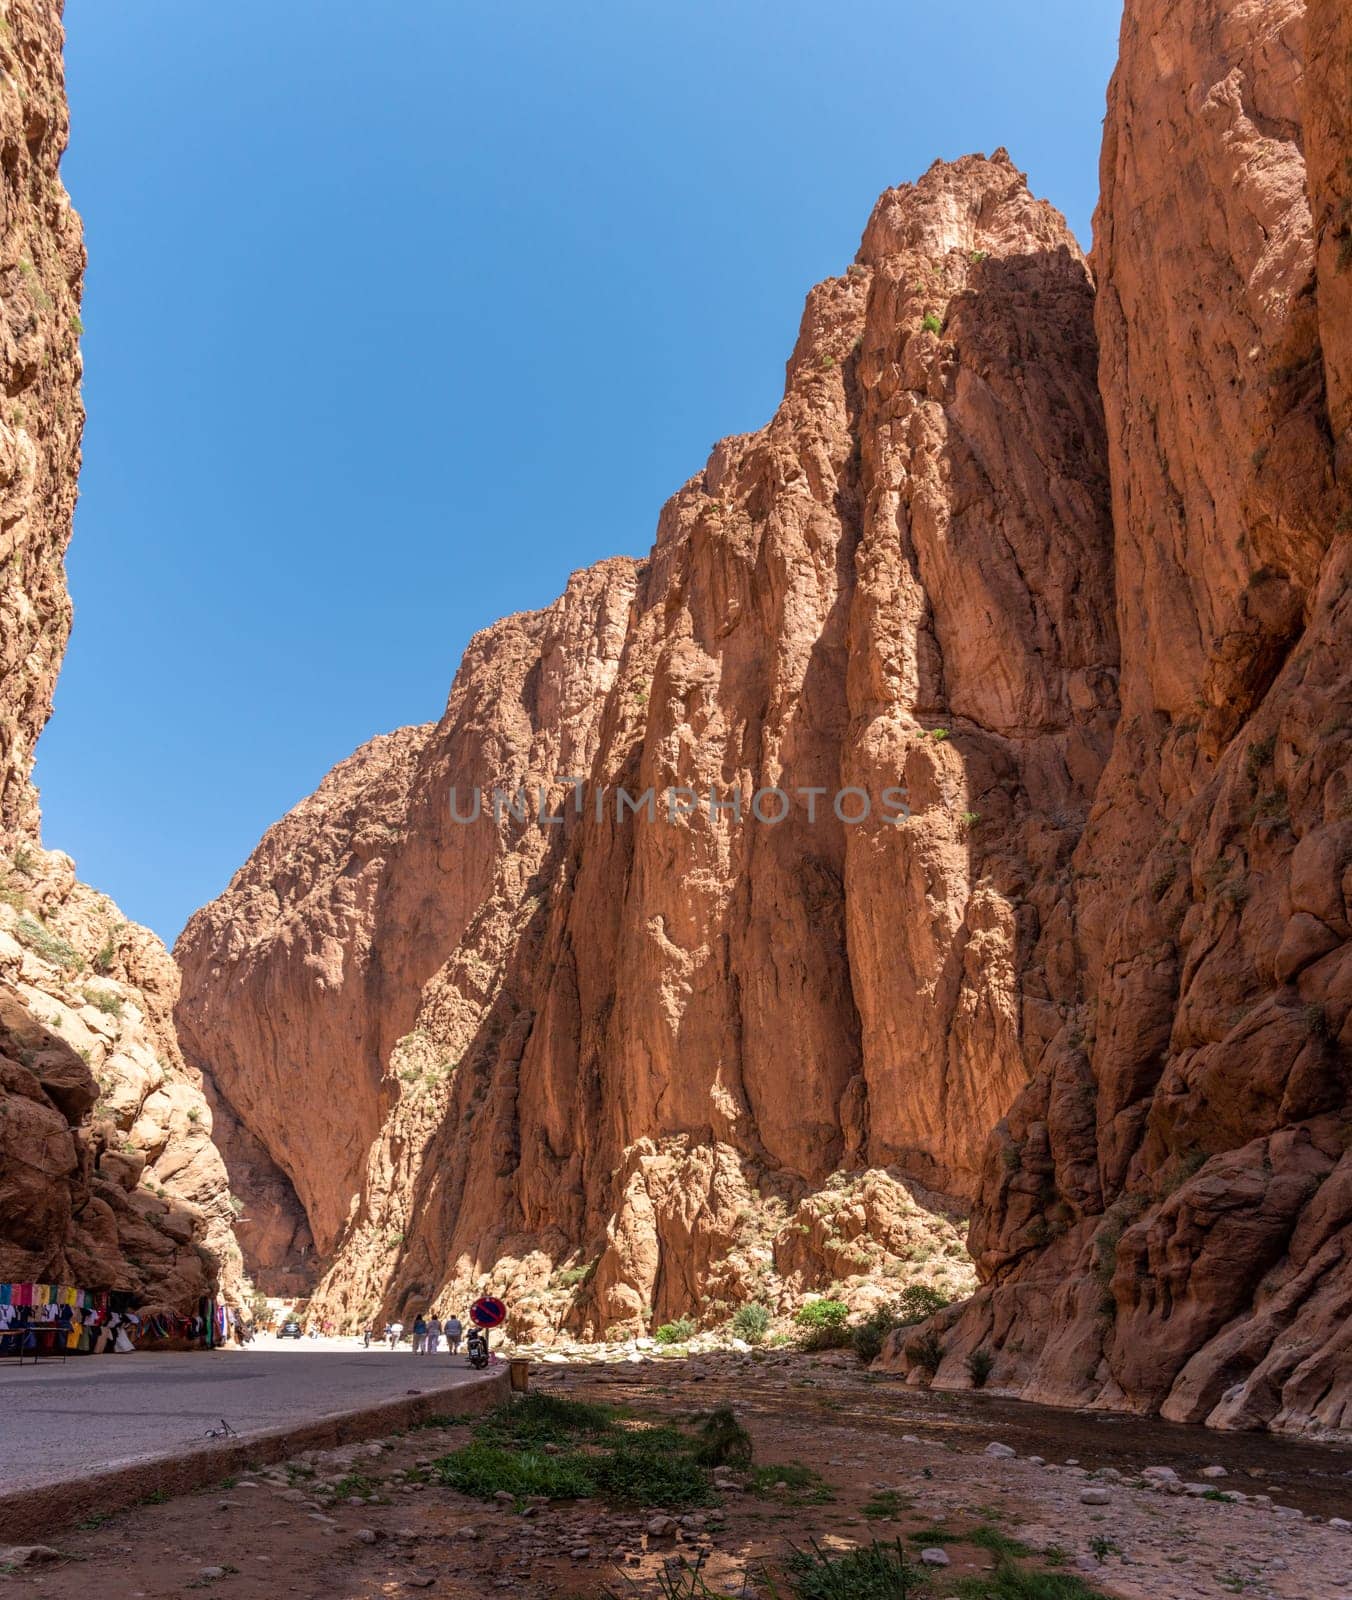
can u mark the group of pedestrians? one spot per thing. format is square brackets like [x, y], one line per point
[426, 1332]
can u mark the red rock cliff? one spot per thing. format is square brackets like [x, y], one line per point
[1165, 1217]
[700, 1062]
[108, 1176]
[643, 1045]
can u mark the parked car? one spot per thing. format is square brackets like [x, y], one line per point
[290, 1329]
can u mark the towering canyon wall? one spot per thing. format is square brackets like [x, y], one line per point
[1165, 1217]
[1071, 568]
[650, 1048]
[108, 1177]
[41, 275]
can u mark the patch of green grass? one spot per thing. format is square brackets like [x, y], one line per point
[933, 322]
[545, 1419]
[999, 1544]
[639, 1474]
[355, 1483]
[483, 1469]
[1008, 1582]
[802, 1486]
[872, 1572]
[596, 1451]
[886, 1503]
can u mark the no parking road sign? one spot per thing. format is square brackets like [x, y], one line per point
[487, 1312]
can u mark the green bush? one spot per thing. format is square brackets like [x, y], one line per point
[101, 1000]
[933, 323]
[825, 1324]
[675, 1332]
[927, 1351]
[722, 1441]
[918, 1301]
[751, 1323]
[868, 1336]
[979, 1365]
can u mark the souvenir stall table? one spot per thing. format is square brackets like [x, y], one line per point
[44, 1320]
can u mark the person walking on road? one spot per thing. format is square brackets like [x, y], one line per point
[419, 1334]
[433, 1334]
[396, 1334]
[453, 1331]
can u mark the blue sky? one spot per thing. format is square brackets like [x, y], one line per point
[398, 314]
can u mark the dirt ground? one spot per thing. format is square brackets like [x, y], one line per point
[892, 1466]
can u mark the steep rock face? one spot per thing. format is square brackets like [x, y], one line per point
[41, 271]
[642, 1043]
[136, 1199]
[301, 970]
[108, 1175]
[1328, 152]
[1164, 1215]
[315, 958]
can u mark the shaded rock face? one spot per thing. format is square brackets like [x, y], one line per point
[641, 1045]
[1165, 1216]
[108, 1178]
[41, 272]
[108, 1175]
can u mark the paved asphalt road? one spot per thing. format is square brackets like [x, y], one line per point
[95, 1412]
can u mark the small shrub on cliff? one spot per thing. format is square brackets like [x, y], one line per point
[932, 323]
[1257, 757]
[50, 946]
[979, 1365]
[927, 1352]
[751, 1323]
[105, 957]
[825, 1324]
[101, 1000]
[675, 1332]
